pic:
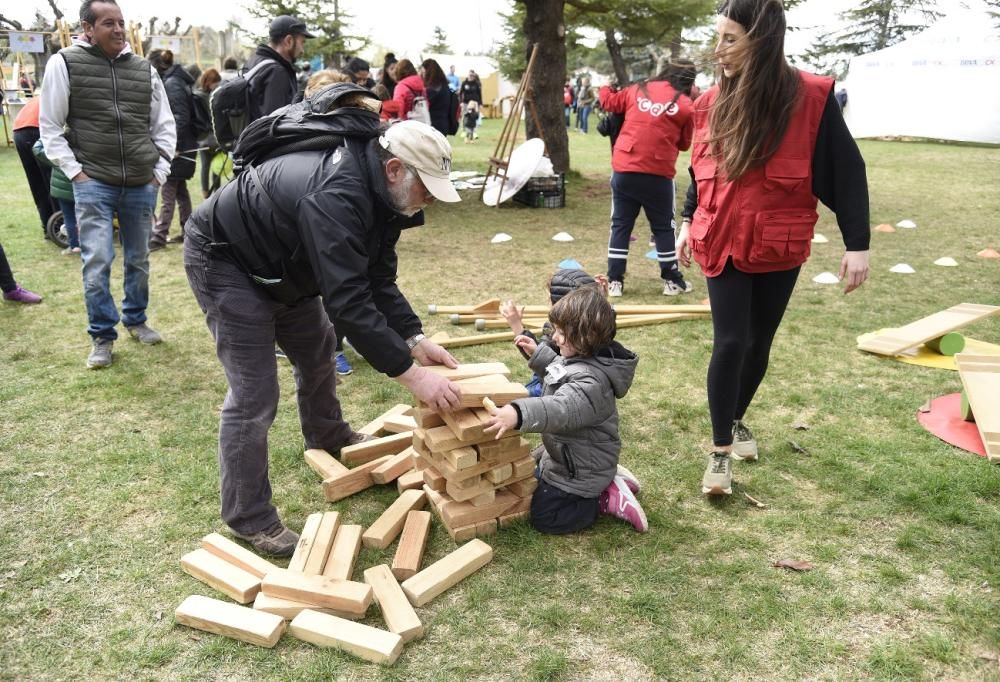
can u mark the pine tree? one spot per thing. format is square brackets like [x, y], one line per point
[439, 44]
[325, 20]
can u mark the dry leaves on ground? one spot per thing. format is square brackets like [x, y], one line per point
[793, 565]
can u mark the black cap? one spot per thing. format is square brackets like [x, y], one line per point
[285, 25]
[356, 64]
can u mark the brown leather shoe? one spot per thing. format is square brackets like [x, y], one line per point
[276, 540]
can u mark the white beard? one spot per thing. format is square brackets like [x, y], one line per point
[399, 194]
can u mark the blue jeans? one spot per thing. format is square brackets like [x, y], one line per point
[584, 118]
[96, 205]
[630, 193]
[68, 209]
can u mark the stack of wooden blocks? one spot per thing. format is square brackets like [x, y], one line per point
[475, 482]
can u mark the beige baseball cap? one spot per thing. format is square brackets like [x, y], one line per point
[424, 149]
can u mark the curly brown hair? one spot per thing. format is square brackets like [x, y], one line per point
[585, 318]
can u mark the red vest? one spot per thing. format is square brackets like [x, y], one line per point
[654, 129]
[765, 220]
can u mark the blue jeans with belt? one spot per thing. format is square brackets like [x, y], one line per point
[97, 203]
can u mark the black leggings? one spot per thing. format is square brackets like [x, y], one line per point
[746, 312]
[7, 282]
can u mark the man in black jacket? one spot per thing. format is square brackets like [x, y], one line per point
[275, 85]
[300, 241]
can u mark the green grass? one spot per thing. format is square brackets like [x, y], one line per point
[107, 478]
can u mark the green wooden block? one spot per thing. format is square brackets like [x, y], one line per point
[949, 344]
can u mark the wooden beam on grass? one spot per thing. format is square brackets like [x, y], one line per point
[412, 543]
[229, 620]
[289, 608]
[626, 309]
[447, 572]
[234, 582]
[362, 453]
[343, 554]
[352, 481]
[224, 548]
[363, 641]
[323, 463]
[342, 595]
[397, 612]
[325, 535]
[387, 527]
[374, 427]
[306, 540]
[395, 467]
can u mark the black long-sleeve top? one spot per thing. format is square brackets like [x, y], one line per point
[839, 179]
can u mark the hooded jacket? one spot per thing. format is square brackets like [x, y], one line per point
[577, 416]
[274, 86]
[407, 90]
[178, 83]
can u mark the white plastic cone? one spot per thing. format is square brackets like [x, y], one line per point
[902, 269]
[500, 237]
[826, 278]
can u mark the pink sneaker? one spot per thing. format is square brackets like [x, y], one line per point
[630, 479]
[617, 500]
[22, 295]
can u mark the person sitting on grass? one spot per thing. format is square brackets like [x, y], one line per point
[577, 463]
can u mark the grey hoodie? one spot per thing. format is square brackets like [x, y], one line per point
[577, 416]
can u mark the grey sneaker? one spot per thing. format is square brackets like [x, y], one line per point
[718, 478]
[143, 333]
[276, 541]
[354, 440]
[100, 354]
[615, 288]
[744, 445]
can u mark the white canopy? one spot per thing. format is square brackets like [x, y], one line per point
[942, 83]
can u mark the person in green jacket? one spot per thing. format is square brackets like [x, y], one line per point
[61, 189]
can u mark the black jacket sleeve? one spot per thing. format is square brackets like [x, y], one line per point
[275, 87]
[839, 179]
[388, 298]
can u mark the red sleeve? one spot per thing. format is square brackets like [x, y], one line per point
[614, 102]
[403, 95]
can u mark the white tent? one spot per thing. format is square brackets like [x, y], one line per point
[942, 83]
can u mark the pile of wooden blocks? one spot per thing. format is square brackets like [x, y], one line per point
[475, 482]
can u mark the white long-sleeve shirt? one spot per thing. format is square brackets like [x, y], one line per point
[55, 109]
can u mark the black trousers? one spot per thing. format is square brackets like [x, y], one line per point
[746, 312]
[7, 282]
[38, 174]
[556, 512]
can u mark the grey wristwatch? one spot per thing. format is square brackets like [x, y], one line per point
[412, 342]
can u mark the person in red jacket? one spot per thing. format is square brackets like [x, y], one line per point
[769, 141]
[409, 86]
[657, 126]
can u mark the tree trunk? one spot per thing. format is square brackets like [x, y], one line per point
[615, 51]
[544, 29]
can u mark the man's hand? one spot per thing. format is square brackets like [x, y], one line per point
[526, 344]
[513, 315]
[81, 177]
[854, 265]
[502, 421]
[431, 388]
[429, 353]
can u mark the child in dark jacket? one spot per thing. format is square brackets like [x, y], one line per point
[469, 121]
[585, 373]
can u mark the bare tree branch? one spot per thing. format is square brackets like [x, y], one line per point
[16, 25]
[55, 10]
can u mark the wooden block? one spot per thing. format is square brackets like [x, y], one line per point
[231, 580]
[320, 551]
[491, 305]
[427, 418]
[230, 620]
[436, 499]
[494, 450]
[387, 527]
[462, 494]
[399, 424]
[626, 321]
[523, 488]
[224, 548]
[412, 543]
[374, 427]
[288, 608]
[363, 641]
[419, 463]
[484, 323]
[352, 481]
[411, 480]
[323, 463]
[483, 499]
[498, 389]
[895, 341]
[622, 310]
[484, 528]
[456, 514]
[343, 554]
[394, 467]
[471, 482]
[306, 540]
[462, 533]
[331, 593]
[471, 370]
[523, 467]
[465, 424]
[434, 479]
[508, 519]
[447, 572]
[477, 339]
[396, 609]
[523, 504]
[501, 473]
[442, 439]
[373, 449]
[981, 377]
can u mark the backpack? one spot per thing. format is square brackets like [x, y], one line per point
[453, 108]
[232, 106]
[201, 117]
[420, 111]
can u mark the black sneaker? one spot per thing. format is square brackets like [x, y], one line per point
[276, 540]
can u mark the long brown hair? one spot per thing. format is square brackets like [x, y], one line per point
[404, 68]
[751, 113]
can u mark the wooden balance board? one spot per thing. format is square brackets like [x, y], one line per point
[981, 378]
[895, 341]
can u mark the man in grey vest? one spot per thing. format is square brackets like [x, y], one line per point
[106, 123]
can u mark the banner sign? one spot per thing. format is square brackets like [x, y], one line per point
[27, 42]
[172, 43]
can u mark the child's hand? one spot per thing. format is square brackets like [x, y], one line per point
[513, 315]
[526, 344]
[502, 421]
[602, 282]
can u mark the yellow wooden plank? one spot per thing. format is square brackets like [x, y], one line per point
[895, 341]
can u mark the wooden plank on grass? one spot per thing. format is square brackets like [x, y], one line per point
[323, 463]
[396, 609]
[363, 641]
[374, 427]
[353, 481]
[363, 453]
[306, 540]
[342, 595]
[981, 377]
[447, 572]
[412, 543]
[230, 620]
[234, 582]
[395, 467]
[343, 554]
[224, 548]
[325, 535]
[410, 480]
[387, 527]
[289, 608]
[895, 341]
[622, 310]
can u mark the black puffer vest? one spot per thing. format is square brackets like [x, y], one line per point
[110, 138]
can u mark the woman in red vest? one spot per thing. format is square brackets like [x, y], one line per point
[769, 141]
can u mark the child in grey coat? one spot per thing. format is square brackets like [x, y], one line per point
[578, 473]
